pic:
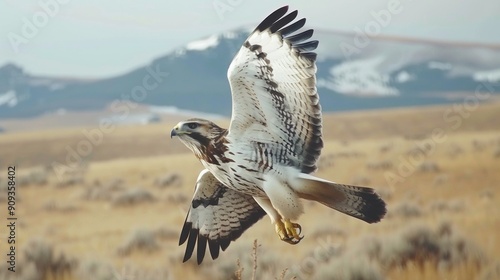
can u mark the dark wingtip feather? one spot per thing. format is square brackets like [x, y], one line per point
[202, 245]
[193, 234]
[283, 21]
[224, 243]
[297, 38]
[307, 46]
[272, 18]
[214, 249]
[185, 232]
[311, 56]
[293, 27]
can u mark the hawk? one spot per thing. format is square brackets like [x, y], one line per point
[263, 163]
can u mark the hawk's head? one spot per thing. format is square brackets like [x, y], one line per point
[198, 135]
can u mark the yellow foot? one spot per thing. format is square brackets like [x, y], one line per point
[289, 232]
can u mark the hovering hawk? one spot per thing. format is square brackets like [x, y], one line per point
[262, 163]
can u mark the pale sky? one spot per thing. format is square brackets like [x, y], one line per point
[102, 38]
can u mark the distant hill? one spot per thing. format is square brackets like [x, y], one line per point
[379, 73]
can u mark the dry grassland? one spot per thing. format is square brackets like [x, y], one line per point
[119, 214]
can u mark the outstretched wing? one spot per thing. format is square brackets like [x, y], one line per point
[218, 215]
[274, 95]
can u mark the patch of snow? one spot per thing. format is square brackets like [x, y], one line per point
[403, 77]
[359, 77]
[439, 65]
[9, 98]
[229, 35]
[491, 76]
[172, 110]
[203, 44]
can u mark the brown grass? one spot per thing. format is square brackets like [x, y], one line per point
[464, 190]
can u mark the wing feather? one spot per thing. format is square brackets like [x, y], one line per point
[297, 38]
[283, 21]
[307, 46]
[293, 27]
[273, 85]
[217, 216]
[272, 18]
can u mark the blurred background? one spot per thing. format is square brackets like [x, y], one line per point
[90, 90]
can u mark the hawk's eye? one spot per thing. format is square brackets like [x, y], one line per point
[192, 125]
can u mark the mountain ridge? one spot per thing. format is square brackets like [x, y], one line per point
[384, 73]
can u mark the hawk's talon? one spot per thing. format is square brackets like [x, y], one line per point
[287, 232]
[292, 240]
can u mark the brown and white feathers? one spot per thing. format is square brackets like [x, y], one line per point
[217, 216]
[273, 86]
[262, 163]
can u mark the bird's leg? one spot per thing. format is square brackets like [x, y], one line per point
[281, 230]
[288, 231]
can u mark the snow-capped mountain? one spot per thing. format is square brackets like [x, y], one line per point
[24, 95]
[354, 72]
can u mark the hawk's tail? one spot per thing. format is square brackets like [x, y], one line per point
[360, 202]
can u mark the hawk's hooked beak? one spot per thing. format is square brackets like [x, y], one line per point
[176, 131]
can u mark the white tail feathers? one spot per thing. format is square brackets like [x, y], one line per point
[360, 202]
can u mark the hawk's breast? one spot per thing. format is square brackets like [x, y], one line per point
[237, 175]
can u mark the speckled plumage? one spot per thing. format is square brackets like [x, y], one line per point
[261, 163]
